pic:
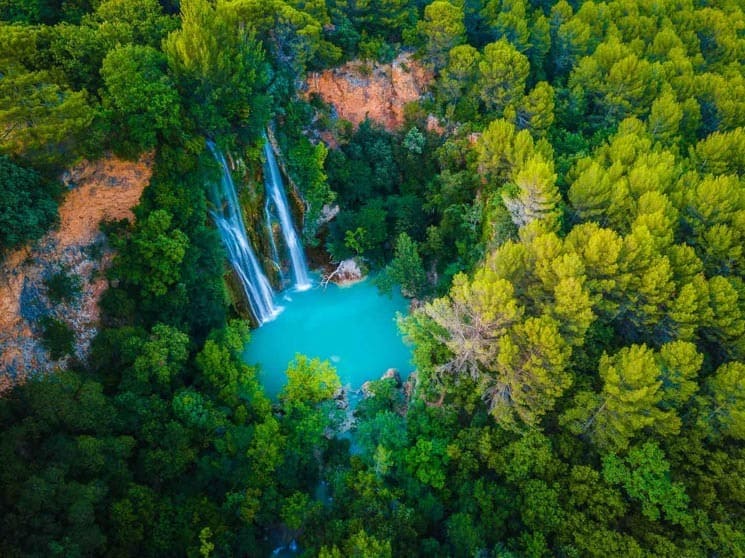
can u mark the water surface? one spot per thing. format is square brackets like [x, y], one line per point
[353, 327]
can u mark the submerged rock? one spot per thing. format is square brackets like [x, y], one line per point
[340, 398]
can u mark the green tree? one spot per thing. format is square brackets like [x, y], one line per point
[724, 410]
[359, 545]
[406, 269]
[455, 85]
[427, 461]
[140, 96]
[536, 111]
[310, 381]
[679, 363]
[161, 358]
[503, 71]
[534, 195]
[140, 22]
[48, 125]
[629, 401]
[531, 372]
[28, 207]
[153, 255]
[219, 68]
[509, 19]
[645, 475]
[442, 28]
[664, 119]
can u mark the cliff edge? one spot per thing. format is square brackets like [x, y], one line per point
[107, 189]
[359, 90]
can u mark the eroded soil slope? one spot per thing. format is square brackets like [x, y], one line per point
[364, 89]
[107, 189]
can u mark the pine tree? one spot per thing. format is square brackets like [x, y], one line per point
[530, 373]
[629, 400]
[443, 29]
[503, 71]
[664, 118]
[591, 192]
[535, 195]
[723, 412]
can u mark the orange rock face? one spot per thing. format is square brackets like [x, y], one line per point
[359, 90]
[107, 189]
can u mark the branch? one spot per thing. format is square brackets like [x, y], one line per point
[325, 281]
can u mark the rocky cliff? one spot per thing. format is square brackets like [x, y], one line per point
[358, 90]
[107, 189]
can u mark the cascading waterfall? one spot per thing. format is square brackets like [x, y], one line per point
[273, 180]
[229, 221]
[272, 242]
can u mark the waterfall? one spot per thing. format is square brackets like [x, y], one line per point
[229, 221]
[273, 243]
[274, 186]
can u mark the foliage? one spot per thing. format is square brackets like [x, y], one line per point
[28, 205]
[156, 253]
[406, 269]
[219, 68]
[57, 337]
[45, 127]
[310, 381]
[63, 286]
[645, 476]
[140, 94]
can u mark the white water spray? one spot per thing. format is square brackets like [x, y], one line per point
[275, 188]
[229, 222]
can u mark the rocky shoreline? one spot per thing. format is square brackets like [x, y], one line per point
[347, 399]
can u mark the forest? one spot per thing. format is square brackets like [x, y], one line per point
[572, 236]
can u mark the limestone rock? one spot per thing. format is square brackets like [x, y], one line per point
[359, 90]
[106, 189]
[346, 273]
[328, 213]
[410, 385]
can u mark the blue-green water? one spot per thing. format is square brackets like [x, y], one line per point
[353, 327]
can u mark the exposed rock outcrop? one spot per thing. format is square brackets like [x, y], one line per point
[358, 90]
[103, 190]
[346, 273]
[328, 214]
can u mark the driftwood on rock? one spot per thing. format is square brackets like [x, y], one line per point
[346, 272]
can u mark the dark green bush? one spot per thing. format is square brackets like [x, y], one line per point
[63, 287]
[57, 337]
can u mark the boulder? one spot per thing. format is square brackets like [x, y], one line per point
[346, 273]
[328, 213]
